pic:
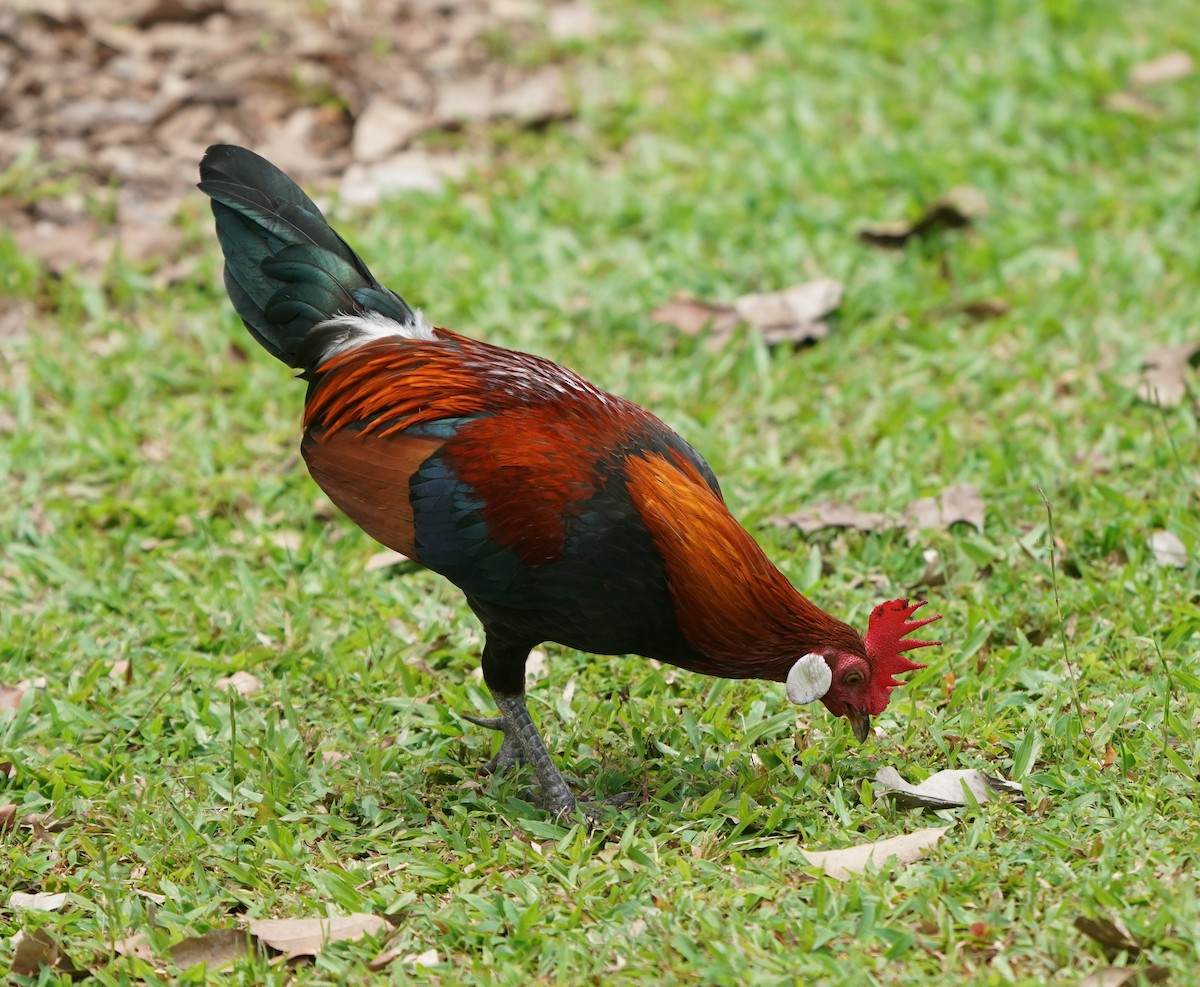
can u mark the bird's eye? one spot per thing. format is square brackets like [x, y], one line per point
[853, 678]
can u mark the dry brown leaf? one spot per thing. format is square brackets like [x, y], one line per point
[1170, 67]
[1134, 104]
[1164, 374]
[137, 945]
[216, 949]
[39, 901]
[428, 958]
[241, 682]
[827, 514]
[1118, 976]
[572, 21]
[383, 128]
[308, 936]
[121, 670]
[841, 864]
[37, 949]
[959, 207]
[8, 817]
[385, 560]
[11, 696]
[690, 316]
[961, 503]
[535, 664]
[1168, 549]
[44, 822]
[537, 99]
[287, 541]
[944, 789]
[1111, 934]
[794, 315]
[981, 309]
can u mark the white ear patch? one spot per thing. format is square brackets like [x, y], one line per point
[809, 679]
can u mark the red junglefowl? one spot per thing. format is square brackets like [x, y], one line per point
[563, 512]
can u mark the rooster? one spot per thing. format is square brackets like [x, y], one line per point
[564, 513]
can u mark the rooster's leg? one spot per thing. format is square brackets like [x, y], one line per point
[504, 673]
[532, 750]
[509, 753]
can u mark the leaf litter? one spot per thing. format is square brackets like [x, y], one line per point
[796, 315]
[958, 208]
[290, 938]
[1164, 374]
[907, 848]
[944, 789]
[1111, 934]
[1118, 976]
[34, 950]
[115, 101]
[1168, 549]
[958, 504]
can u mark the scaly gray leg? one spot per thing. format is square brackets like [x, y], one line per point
[509, 753]
[527, 746]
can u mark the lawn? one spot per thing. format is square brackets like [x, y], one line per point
[160, 534]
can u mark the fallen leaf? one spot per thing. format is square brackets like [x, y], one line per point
[1168, 549]
[308, 936]
[794, 315]
[44, 823]
[1117, 976]
[961, 503]
[535, 100]
[1164, 374]
[37, 949]
[40, 901]
[572, 21]
[1134, 104]
[383, 128]
[535, 664]
[8, 817]
[137, 945]
[690, 316]
[216, 948]
[121, 670]
[10, 696]
[944, 789]
[981, 309]
[827, 514]
[241, 682]
[385, 560]
[959, 207]
[1169, 67]
[288, 541]
[1112, 935]
[840, 864]
[426, 959]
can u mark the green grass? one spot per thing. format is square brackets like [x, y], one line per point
[151, 472]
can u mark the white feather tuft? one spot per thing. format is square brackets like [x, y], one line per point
[809, 679]
[356, 330]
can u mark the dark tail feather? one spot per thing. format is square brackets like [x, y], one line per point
[286, 269]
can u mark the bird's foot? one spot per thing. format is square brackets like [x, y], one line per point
[509, 754]
[523, 745]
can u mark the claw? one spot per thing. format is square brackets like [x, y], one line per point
[487, 722]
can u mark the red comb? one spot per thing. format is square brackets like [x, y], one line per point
[885, 638]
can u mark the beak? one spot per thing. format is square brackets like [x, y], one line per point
[860, 723]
